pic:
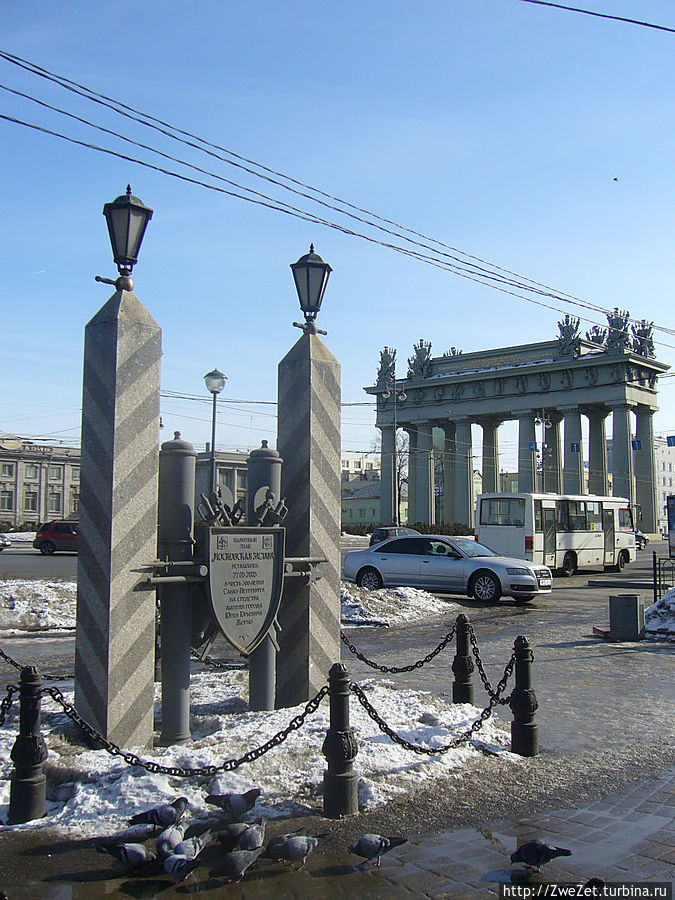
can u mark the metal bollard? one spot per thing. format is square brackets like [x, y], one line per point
[523, 703]
[340, 782]
[28, 785]
[462, 665]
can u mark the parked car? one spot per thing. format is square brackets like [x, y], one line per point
[390, 531]
[4, 542]
[641, 539]
[453, 564]
[53, 536]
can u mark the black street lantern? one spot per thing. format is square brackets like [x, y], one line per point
[127, 219]
[310, 273]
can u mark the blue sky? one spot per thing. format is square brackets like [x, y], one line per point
[495, 126]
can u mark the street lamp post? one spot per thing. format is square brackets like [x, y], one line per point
[399, 396]
[215, 382]
[127, 218]
[310, 274]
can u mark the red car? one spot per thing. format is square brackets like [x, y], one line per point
[53, 536]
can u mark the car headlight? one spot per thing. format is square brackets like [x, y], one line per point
[519, 571]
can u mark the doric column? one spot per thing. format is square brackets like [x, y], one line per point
[411, 431]
[463, 473]
[388, 474]
[598, 481]
[645, 470]
[526, 455]
[424, 493]
[573, 460]
[448, 472]
[622, 453]
[490, 471]
[551, 462]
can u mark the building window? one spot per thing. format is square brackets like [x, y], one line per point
[8, 470]
[54, 503]
[6, 501]
[75, 475]
[31, 471]
[74, 502]
[225, 478]
[30, 501]
[55, 473]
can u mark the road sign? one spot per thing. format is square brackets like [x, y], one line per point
[575, 447]
[533, 446]
[671, 440]
[636, 444]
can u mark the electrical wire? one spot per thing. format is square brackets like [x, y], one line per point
[599, 15]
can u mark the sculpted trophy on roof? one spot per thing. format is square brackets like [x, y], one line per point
[569, 342]
[419, 365]
[643, 343]
[386, 373]
[618, 339]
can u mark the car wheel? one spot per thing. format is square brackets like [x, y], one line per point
[369, 579]
[569, 566]
[486, 587]
[47, 548]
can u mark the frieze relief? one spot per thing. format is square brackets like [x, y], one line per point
[521, 384]
[567, 379]
[544, 380]
[478, 390]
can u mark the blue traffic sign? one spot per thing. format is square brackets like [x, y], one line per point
[671, 440]
[636, 444]
[575, 447]
[533, 446]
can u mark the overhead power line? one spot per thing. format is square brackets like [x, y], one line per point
[599, 15]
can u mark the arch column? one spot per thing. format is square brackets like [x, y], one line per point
[448, 457]
[388, 492]
[411, 431]
[598, 480]
[622, 453]
[645, 470]
[424, 488]
[463, 505]
[573, 458]
[490, 470]
[526, 456]
[551, 462]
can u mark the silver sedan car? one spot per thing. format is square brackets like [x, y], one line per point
[450, 564]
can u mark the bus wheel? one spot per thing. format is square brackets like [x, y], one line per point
[621, 562]
[569, 566]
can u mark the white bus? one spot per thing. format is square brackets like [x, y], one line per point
[562, 531]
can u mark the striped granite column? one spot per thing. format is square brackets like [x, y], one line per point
[115, 634]
[309, 442]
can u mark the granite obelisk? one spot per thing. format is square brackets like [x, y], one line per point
[115, 634]
[309, 442]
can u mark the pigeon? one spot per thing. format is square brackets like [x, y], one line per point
[165, 814]
[253, 837]
[234, 865]
[167, 839]
[534, 854]
[229, 836]
[235, 805]
[132, 854]
[374, 845]
[179, 866]
[193, 846]
[296, 849]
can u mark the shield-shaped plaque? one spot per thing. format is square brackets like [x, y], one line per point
[246, 574]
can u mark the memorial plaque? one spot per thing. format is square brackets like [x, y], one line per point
[246, 567]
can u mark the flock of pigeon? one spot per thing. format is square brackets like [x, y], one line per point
[243, 842]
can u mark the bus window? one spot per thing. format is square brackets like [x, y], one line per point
[504, 511]
[562, 515]
[625, 520]
[594, 515]
[577, 514]
[537, 516]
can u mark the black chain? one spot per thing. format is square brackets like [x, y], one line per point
[227, 766]
[6, 702]
[483, 676]
[217, 663]
[416, 748]
[394, 670]
[18, 666]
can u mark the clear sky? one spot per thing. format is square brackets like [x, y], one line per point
[538, 139]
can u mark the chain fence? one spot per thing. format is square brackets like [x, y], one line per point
[395, 670]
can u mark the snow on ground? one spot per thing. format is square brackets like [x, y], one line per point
[94, 793]
[662, 613]
[21, 537]
[388, 606]
[37, 605]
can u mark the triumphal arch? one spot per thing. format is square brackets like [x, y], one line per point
[610, 371]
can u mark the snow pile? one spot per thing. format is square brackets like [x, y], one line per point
[21, 537]
[37, 605]
[388, 606]
[94, 793]
[661, 615]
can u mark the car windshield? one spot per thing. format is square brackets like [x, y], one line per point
[473, 548]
